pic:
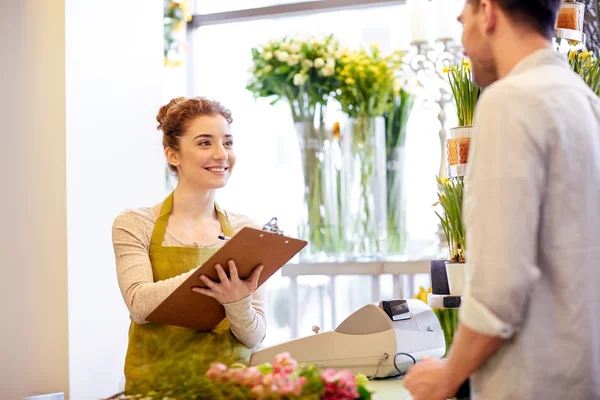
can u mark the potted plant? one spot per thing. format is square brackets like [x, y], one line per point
[450, 197]
[465, 93]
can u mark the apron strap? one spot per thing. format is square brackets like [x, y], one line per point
[160, 227]
[158, 233]
[225, 224]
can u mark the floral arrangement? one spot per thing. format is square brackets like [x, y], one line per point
[283, 379]
[366, 81]
[465, 91]
[301, 71]
[588, 67]
[450, 197]
[396, 119]
[298, 69]
[176, 14]
[448, 317]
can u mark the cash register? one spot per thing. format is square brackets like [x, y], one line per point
[379, 340]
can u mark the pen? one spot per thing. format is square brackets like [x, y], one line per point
[224, 237]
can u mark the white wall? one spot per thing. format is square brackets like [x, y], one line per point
[33, 256]
[114, 161]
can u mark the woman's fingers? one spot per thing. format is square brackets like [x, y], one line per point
[233, 272]
[221, 273]
[212, 285]
[206, 292]
[255, 276]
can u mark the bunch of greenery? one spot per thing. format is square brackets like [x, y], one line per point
[465, 91]
[450, 197]
[588, 67]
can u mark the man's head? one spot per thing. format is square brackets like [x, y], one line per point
[493, 24]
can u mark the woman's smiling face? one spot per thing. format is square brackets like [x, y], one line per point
[205, 157]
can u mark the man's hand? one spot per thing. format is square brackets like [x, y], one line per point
[430, 380]
[232, 288]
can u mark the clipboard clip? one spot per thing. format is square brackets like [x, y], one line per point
[272, 227]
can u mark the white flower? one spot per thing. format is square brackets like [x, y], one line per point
[252, 69]
[331, 48]
[307, 64]
[294, 59]
[268, 68]
[300, 79]
[319, 63]
[267, 55]
[330, 62]
[282, 56]
[285, 46]
[295, 48]
[327, 71]
[409, 85]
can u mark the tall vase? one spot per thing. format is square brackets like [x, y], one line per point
[396, 201]
[365, 187]
[321, 223]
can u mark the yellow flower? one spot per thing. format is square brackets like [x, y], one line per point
[350, 81]
[572, 55]
[446, 70]
[467, 64]
[584, 56]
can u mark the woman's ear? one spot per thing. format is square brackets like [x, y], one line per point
[172, 157]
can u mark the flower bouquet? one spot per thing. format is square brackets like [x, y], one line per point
[366, 89]
[283, 379]
[586, 66]
[301, 71]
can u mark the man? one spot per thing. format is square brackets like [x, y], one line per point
[530, 324]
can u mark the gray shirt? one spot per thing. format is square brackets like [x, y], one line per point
[532, 216]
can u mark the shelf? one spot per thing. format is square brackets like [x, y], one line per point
[444, 301]
[569, 34]
[457, 171]
[357, 268]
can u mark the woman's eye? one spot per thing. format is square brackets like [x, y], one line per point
[205, 143]
[229, 143]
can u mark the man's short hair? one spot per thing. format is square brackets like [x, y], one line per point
[539, 14]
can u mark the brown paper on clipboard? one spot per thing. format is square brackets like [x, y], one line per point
[248, 248]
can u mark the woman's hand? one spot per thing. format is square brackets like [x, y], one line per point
[232, 288]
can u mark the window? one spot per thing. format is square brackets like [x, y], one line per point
[268, 181]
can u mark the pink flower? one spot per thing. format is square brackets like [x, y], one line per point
[300, 382]
[216, 372]
[283, 384]
[258, 391]
[339, 385]
[284, 364]
[252, 377]
[235, 375]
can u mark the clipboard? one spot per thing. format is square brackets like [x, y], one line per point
[248, 248]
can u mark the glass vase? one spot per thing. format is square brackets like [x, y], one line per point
[396, 202]
[321, 223]
[364, 169]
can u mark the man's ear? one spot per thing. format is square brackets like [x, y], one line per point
[488, 12]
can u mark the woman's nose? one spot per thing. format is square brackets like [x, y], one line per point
[220, 153]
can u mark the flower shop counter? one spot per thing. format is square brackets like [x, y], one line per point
[389, 389]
